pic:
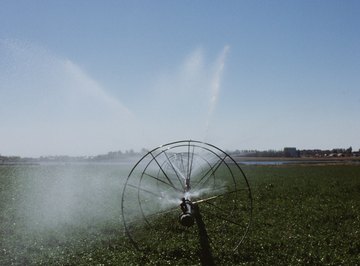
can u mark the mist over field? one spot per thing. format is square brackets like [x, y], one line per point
[55, 196]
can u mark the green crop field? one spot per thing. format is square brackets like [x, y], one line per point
[70, 215]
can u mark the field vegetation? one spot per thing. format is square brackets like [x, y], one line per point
[302, 214]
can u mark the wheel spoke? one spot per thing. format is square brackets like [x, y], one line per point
[176, 170]
[162, 170]
[163, 182]
[212, 169]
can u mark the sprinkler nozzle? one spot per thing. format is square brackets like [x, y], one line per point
[186, 218]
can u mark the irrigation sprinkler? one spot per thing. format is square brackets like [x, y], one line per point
[184, 191]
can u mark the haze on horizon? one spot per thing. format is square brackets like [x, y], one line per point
[86, 78]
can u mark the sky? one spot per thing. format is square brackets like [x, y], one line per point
[89, 77]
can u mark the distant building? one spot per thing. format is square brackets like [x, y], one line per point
[291, 152]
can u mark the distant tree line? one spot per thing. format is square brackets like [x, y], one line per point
[338, 152]
[117, 155]
[110, 156]
[288, 152]
[256, 153]
[114, 156]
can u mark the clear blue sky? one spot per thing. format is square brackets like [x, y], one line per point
[88, 77]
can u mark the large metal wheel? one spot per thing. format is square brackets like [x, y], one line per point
[173, 185]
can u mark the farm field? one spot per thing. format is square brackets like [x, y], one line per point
[70, 215]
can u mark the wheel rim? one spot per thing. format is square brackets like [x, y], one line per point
[199, 171]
